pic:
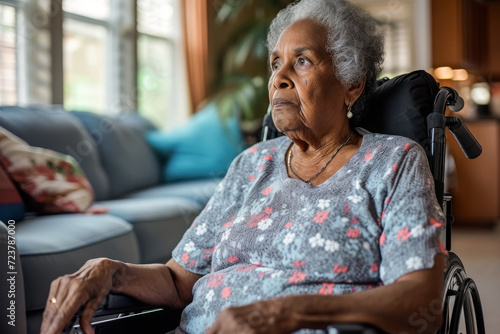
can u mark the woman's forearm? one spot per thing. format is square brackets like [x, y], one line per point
[156, 284]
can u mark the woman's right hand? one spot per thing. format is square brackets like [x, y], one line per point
[88, 287]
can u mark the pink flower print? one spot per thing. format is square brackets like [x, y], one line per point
[374, 267]
[253, 149]
[192, 263]
[267, 191]
[251, 178]
[288, 225]
[255, 219]
[216, 280]
[262, 167]
[297, 277]
[388, 200]
[368, 157]
[246, 268]
[354, 220]
[429, 181]
[326, 289]
[227, 224]
[226, 292]
[353, 233]
[268, 157]
[395, 167]
[185, 258]
[208, 251]
[347, 208]
[268, 210]
[321, 216]
[232, 258]
[338, 269]
[298, 263]
[382, 239]
[272, 149]
[435, 222]
[407, 147]
[403, 234]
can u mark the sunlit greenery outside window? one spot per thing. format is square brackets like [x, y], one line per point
[86, 34]
[8, 80]
[158, 28]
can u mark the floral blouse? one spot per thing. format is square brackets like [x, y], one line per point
[264, 234]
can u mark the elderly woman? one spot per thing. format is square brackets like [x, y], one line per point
[329, 223]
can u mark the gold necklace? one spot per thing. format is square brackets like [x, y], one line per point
[322, 169]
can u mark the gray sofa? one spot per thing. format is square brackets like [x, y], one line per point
[146, 217]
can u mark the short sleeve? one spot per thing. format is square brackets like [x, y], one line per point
[194, 251]
[412, 219]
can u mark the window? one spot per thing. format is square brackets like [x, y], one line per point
[86, 55]
[406, 47]
[8, 79]
[104, 56]
[160, 60]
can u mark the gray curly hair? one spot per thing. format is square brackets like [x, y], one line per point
[355, 43]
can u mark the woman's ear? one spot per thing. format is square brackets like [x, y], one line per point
[354, 92]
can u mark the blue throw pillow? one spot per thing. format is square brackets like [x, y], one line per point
[203, 147]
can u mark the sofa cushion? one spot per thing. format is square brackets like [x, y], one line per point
[52, 182]
[56, 129]
[204, 147]
[159, 223]
[198, 191]
[55, 245]
[129, 161]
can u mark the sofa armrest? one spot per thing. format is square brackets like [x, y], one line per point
[11, 283]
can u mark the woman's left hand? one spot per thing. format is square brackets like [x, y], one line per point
[269, 316]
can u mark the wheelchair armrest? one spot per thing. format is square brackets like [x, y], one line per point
[118, 303]
[124, 314]
[120, 313]
[351, 328]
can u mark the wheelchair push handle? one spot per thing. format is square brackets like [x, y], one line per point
[447, 96]
[469, 145]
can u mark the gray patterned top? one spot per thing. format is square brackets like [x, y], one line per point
[264, 235]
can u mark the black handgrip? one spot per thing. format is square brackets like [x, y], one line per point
[457, 104]
[469, 145]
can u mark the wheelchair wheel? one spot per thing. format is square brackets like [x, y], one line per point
[461, 298]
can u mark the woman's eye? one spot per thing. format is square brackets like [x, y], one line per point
[274, 66]
[302, 61]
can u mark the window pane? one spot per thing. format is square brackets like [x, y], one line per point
[7, 55]
[96, 9]
[84, 54]
[155, 58]
[155, 17]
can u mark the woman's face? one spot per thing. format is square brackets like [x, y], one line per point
[307, 99]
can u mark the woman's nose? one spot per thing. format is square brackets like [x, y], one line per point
[282, 80]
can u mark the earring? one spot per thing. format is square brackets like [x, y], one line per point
[349, 111]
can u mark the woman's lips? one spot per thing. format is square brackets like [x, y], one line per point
[280, 103]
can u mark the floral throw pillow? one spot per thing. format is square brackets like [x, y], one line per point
[52, 182]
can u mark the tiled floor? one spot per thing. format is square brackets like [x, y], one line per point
[479, 250]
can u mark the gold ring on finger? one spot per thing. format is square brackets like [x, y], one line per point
[53, 300]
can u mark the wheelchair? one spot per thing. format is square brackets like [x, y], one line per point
[411, 105]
